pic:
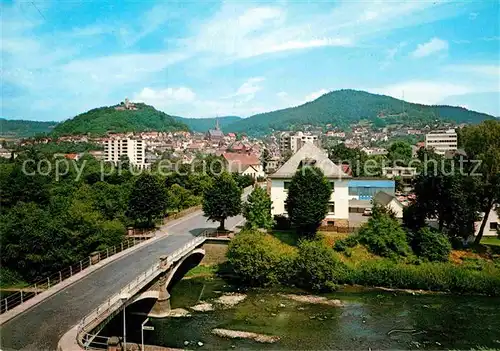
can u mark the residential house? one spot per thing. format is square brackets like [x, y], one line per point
[338, 209]
[390, 202]
[244, 164]
[403, 172]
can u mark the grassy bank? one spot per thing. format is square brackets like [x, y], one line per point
[279, 258]
[490, 240]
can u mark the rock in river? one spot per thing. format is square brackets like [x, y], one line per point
[313, 299]
[230, 300]
[236, 334]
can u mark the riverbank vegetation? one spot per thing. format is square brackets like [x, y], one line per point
[259, 259]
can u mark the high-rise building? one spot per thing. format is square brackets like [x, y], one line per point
[134, 149]
[293, 142]
[442, 141]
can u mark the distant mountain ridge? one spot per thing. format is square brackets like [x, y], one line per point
[203, 124]
[17, 128]
[340, 108]
[139, 117]
[344, 107]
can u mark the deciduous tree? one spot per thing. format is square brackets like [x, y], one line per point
[307, 201]
[222, 199]
[147, 199]
[482, 142]
[257, 210]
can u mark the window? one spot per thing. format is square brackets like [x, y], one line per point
[286, 185]
[330, 223]
[493, 226]
[331, 207]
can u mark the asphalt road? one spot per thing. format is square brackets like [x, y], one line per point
[41, 327]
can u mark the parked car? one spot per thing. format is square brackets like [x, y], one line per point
[367, 212]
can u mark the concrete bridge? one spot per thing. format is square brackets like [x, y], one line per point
[43, 325]
[155, 283]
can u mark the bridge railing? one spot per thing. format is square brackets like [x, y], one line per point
[85, 337]
[28, 292]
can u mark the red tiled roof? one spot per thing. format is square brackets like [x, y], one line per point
[243, 159]
[71, 156]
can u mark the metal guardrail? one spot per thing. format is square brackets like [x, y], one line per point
[85, 338]
[32, 290]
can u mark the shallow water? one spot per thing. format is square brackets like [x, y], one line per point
[376, 320]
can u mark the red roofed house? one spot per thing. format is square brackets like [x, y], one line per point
[244, 164]
[75, 157]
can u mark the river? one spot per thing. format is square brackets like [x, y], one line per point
[364, 320]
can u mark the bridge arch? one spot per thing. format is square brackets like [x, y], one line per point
[183, 266]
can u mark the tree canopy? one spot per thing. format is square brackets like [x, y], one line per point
[222, 199]
[101, 120]
[307, 202]
[345, 107]
[257, 209]
[148, 198]
[482, 142]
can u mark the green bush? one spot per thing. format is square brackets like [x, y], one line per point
[258, 259]
[383, 236]
[426, 276]
[317, 267]
[281, 222]
[343, 244]
[431, 245]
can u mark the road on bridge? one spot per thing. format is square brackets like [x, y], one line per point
[41, 327]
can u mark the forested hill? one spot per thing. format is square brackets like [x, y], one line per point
[344, 107]
[100, 120]
[23, 129]
[204, 124]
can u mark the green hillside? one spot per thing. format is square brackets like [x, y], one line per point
[24, 129]
[204, 124]
[344, 107]
[103, 119]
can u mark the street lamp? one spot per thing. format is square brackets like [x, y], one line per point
[143, 328]
[124, 298]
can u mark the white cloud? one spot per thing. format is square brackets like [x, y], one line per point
[282, 94]
[247, 90]
[473, 16]
[90, 31]
[391, 54]
[423, 92]
[492, 71]
[433, 46]
[257, 31]
[314, 95]
[148, 22]
[250, 87]
[173, 95]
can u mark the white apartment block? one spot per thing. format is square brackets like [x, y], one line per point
[134, 149]
[442, 141]
[293, 142]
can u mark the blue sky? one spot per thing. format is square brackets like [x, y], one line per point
[206, 58]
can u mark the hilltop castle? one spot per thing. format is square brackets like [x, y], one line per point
[126, 105]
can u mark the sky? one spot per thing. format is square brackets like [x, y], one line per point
[208, 58]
